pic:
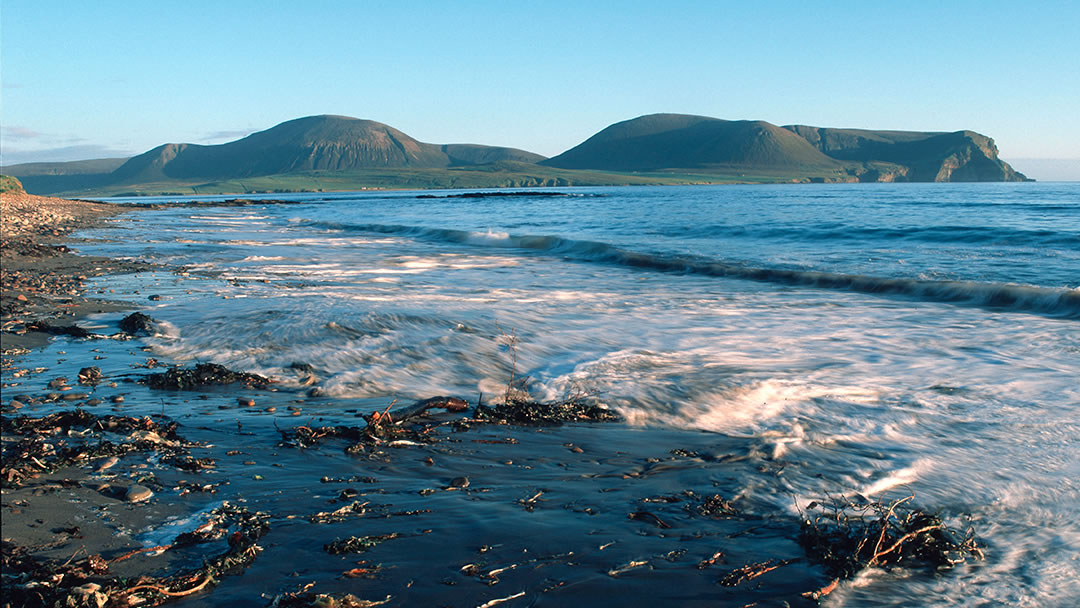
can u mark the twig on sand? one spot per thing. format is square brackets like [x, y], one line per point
[752, 571]
[159, 548]
[166, 592]
[820, 593]
[501, 600]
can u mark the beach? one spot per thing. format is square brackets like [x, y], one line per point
[460, 493]
[41, 279]
[266, 434]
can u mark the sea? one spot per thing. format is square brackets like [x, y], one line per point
[867, 340]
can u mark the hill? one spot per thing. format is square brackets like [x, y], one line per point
[341, 153]
[314, 143]
[677, 142]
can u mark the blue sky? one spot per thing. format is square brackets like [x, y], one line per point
[93, 79]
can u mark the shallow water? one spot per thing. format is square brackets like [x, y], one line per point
[880, 339]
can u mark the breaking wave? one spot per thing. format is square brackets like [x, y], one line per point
[1056, 302]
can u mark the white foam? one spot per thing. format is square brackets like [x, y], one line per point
[901, 477]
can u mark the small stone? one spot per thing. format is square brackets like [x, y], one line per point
[106, 464]
[21, 298]
[459, 482]
[93, 402]
[75, 396]
[90, 375]
[137, 493]
[246, 401]
[117, 399]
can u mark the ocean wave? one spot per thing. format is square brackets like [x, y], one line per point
[1057, 302]
[967, 235]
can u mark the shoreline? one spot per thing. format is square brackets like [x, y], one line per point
[473, 510]
[43, 279]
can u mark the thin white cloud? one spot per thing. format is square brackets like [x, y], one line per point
[17, 156]
[20, 133]
[227, 135]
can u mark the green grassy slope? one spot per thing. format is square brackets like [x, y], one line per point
[505, 174]
[10, 184]
[662, 141]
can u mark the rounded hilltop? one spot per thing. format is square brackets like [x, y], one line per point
[314, 143]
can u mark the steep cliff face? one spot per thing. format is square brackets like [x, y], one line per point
[919, 156]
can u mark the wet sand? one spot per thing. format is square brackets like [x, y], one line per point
[452, 512]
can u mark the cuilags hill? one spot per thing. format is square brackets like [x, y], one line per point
[343, 153]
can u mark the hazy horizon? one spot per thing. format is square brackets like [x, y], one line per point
[104, 80]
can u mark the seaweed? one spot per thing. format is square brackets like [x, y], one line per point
[749, 572]
[846, 537]
[716, 506]
[518, 407]
[524, 411]
[305, 598]
[63, 439]
[357, 544]
[59, 330]
[138, 324]
[204, 374]
[34, 582]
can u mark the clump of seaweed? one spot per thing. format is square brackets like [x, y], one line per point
[59, 330]
[717, 507]
[846, 536]
[357, 544]
[306, 598]
[72, 437]
[33, 582]
[374, 434]
[522, 410]
[518, 406]
[138, 323]
[204, 374]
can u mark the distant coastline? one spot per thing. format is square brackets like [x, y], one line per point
[339, 153]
